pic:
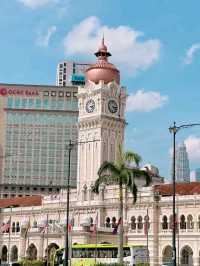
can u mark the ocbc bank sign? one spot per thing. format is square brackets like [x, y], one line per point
[18, 92]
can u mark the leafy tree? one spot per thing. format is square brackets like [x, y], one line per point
[123, 173]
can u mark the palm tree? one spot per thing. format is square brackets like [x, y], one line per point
[122, 174]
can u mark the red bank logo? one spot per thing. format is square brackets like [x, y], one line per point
[18, 92]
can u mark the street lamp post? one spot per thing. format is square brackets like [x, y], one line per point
[174, 129]
[69, 147]
[66, 259]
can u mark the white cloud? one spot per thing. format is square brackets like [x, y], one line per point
[143, 101]
[43, 40]
[193, 148]
[34, 4]
[128, 51]
[190, 53]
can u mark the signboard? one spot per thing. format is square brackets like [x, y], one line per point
[18, 92]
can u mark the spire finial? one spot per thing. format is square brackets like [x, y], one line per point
[102, 52]
[103, 40]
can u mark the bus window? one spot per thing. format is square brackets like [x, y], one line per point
[127, 252]
[114, 253]
[76, 253]
[105, 253]
[83, 253]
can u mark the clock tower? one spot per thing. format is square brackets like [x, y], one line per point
[101, 118]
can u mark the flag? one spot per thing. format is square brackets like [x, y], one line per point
[5, 227]
[69, 227]
[117, 225]
[95, 224]
[44, 227]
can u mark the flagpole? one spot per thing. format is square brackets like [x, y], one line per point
[96, 240]
[96, 246]
[47, 238]
[26, 234]
[147, 230]
[9, 235]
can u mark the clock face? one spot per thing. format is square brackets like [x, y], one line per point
[112, 106]
[90, 106]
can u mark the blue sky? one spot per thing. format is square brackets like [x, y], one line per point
[155, 44]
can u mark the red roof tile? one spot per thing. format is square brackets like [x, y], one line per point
[21, 202]
[181, 189]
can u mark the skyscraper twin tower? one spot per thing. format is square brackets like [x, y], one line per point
[182, 164]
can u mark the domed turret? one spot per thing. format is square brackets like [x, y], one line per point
[103, 70]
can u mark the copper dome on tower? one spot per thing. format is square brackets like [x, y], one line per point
[103, 70]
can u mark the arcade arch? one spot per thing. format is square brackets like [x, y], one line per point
[31, 252]
[186, 256]
[167, 255]
[51, 251]
[4, 254]
[14, 253]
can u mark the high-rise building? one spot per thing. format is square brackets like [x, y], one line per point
[36, 124]
[182, 164]
[195, 175]
[71, 73]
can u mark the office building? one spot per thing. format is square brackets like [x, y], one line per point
[71, 73]
[36, 124]
[195, 175]
[182, 164]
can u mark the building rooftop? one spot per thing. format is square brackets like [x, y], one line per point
[181, 189]
[21, 202]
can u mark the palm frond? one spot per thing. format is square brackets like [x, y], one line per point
[108, 167]
[103, 179]
[132, 157]
[142, 173]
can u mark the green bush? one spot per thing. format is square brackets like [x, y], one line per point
[118, 264]
[109, 264]
[26, 262]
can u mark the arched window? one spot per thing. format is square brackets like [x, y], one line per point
[91, 221]
[140, 224]
[182, 222]
[34, 224]
[190, 223]
[107, 224]
[85, 193]
[102, 192]
[114, 222]
[133, 223]
[199, 222]
[92, 195]
[17, 227]
[164, 223]
[171, 222]
[13, 227]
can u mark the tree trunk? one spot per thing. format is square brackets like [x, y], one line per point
[121, 231]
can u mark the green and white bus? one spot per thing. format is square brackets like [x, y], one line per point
[88, 254]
